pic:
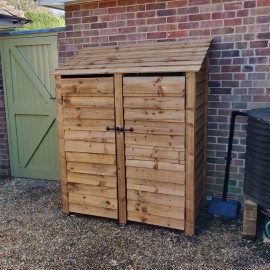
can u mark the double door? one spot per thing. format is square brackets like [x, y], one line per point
[122, 142]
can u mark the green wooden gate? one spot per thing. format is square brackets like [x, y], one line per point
[30, 104]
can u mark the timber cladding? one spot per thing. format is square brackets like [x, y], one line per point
[132, 132]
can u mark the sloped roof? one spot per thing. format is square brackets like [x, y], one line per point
[174, 56]
[11, 15]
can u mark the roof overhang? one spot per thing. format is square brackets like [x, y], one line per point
[60, 4]
[7, 21]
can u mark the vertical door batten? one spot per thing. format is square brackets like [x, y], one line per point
[120, 149]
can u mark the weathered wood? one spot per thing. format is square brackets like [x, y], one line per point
[88, 113]
[62, 154]
[157, 209]
[163, 199]
[190, 149]
[91, 179]
[91, 168]
[95, 211]
[94, 86]
[104, 192]
[120, 144]
[157, 175]
[95, 201]
[86, 101]
[156, 86]
[87, 135]
[91, 158]
[93, 125]
[162, 128]
[156, 187]
[90, 147]
[155, 140]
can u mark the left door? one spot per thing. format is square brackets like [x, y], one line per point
[87, 145]
[30, 105]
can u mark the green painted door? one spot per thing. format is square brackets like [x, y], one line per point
[30, 105]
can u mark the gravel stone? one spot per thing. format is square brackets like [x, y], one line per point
[34, 234]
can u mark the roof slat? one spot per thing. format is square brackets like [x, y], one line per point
[143, 58]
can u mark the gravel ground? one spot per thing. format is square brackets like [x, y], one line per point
[34, 234]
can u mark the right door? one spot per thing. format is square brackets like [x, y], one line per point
[154, 106]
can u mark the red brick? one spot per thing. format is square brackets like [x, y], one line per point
[156, 35]
[115, 10]
[126, 30]
[232, 22]
[126, 16]
[177, 3]
[137, 36]
[233, 6]
[250, 4]
[175, 19]
[203, 32]
[198, 2]
[211, 24]
[189, 10]
[116, 24]
[200, 17]
[136, 8]
[222, 31]
[155, 6]
[145, 1]
[146, 28]
[117, 38]
[107, 18]
[223, 15]
[136, 22]
[242, 13]
[190, 25]
[99, 25]
[106, 4]
[166, 12]
[176, 34]
[166, 27]
[263, 3]
[146, 14]
[156, 20]
[263, 19]
[258, 44]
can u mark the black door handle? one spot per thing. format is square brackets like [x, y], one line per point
[118, 129]
[114, 128]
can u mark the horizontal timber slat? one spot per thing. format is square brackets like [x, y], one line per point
[156, 175]
[153, 127]
[156, 187]
[88, 113]
[104, 192]
[156, 220]
[94, 201]
[95, 211]
[93, 136]
[155, 165]
[154, 86]
[155, 115]
[163, 199]
[91, 179]
[86, 101]
[90, 147]
[155, 140]
[90, 168]
[156, 209]
[154, 152]
[91, 158]
[93, 125]
[95, 86]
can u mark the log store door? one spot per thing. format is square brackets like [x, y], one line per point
[154, 107]
[124, 144]
[29, 89]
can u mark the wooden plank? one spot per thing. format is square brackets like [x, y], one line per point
[93, 125]
[163, 199]
[156, 187]
[155, 165]
[156, 209]
[190, 159]
[120, 144]
[95, 211]
[95, 86]
[156, 86]
[156, 175]
[90, 147]
[89, 168]
[155, 115]
[90, 179]
[88, 190]
[86, 101]
[154, 103]
[88, 113]
[165, 128]
[94, 201]
[154, 152]
[91, 158]
[61, 140]
[87, 135]
[155, 140]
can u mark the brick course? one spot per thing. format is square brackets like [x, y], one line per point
[239, 70]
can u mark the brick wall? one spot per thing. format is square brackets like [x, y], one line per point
[4, 150]
[239, 77]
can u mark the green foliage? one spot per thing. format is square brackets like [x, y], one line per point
[42, 20]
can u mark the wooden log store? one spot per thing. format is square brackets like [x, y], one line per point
[132, 132]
